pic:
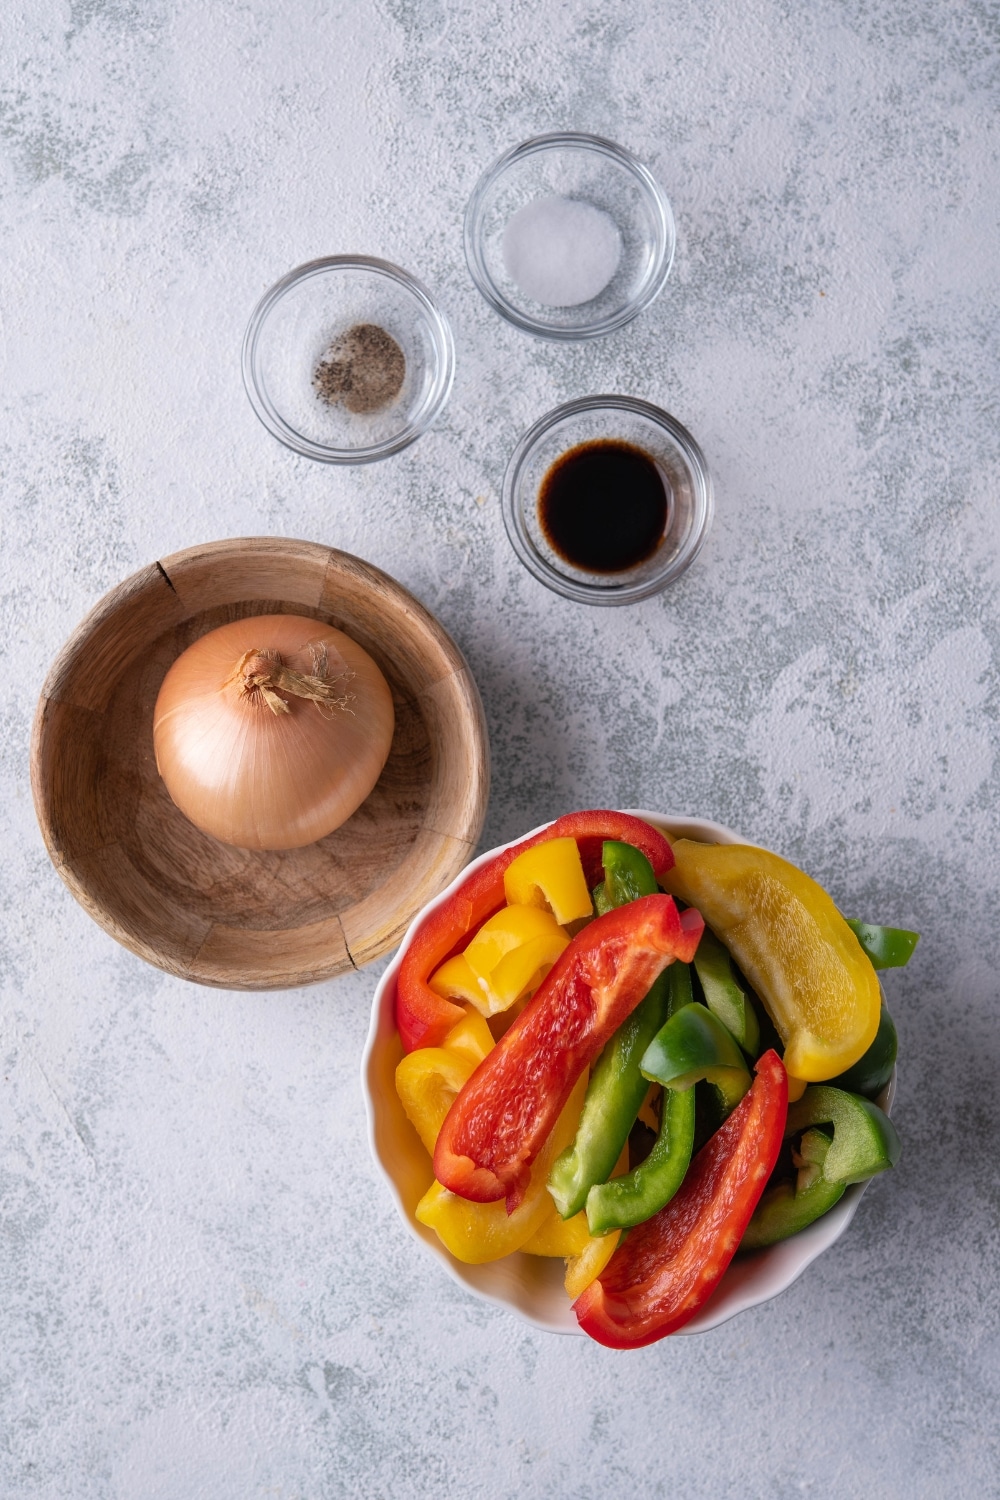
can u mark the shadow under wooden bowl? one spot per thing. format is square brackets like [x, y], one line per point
[241, 918]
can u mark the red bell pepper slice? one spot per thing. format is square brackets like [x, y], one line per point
[665, 1269]
[423, 1018]
[504, 1114]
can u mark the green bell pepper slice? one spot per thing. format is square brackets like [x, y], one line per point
[887, 947]
[694, 1044]
[626, 1201]
[790, 1206]
[635, 1197]
[864, 1143]
[617, 1088]
[864, 1138]
[723, 995]
[872, 1072]
[628, 875]
[680, 991]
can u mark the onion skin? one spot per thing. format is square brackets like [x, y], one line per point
[261, 779]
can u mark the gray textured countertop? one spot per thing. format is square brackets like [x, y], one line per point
[205, 1289]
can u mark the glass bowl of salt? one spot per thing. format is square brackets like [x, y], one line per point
[569, 236]
[347, 359]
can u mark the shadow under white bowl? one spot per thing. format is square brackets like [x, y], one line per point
[532, 1285]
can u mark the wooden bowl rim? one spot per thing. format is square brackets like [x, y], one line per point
[451, 675]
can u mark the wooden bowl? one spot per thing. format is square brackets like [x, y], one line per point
[240, 918]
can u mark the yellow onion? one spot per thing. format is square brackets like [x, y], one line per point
[271, 731]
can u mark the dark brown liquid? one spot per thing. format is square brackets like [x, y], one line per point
[603, 506]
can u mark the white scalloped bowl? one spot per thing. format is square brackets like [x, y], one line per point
[531, 1285]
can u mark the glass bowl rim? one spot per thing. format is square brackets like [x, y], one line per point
[600, 593]
[443, 364]
[649, 289]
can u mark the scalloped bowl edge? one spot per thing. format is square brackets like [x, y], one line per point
[529, 1285]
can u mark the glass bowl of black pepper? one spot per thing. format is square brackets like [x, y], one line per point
[607, 500]
[347, 359]
[569, 236]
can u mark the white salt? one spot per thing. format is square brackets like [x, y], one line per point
[561, 251]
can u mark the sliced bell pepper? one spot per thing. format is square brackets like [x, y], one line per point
[724, 997]
[791, 1206]
[864, 1138]
[428, 1082]
[631, 1197]
[616, 1088]
[664, 1270]
[509, 929]
[455, 979]
[680, 991]
[887, 947]
[694, 1045]
[616, 1092]
[588, 1265]
[626, 1201]
[480, 1232]
[559, 1237]
[793, 945]
[864, 1143]
[502, 1117]
[871, 1073]
[520, 972]
[628, 875]
[508, 956]
[585, 1254]
[471, 1037]
[422, 1017]
[550, 874]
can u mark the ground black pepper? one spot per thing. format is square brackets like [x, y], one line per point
[363, 367]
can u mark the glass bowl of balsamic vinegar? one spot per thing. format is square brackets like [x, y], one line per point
[607, 500]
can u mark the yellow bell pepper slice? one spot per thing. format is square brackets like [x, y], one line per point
[428, 1082]
[509, 955]
[550, 874]
[588, 1265]
[524, 968]
[470, 1038]
[429, 1079]
[560, 1237]
[585, 1254]
[507, 929]
[454, 980]
[794, 947]
[480, 1232]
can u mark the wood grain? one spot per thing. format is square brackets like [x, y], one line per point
[238, 918]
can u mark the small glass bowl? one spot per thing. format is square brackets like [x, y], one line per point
[592, 170]
[682, 468]
[293, 326]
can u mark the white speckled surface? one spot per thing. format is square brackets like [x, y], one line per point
[205, 1290]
